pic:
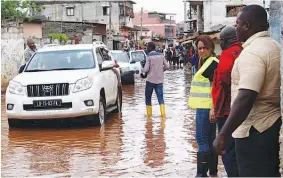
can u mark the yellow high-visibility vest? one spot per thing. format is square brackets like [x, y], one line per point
[201, 87]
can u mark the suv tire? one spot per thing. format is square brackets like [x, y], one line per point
[118, 103]
[100, 118]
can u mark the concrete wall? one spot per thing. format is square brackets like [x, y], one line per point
[91, 12]
[276, 26]
[215, 11]
[32, 30]
[72, 28]
[281, 137]
[12, 52]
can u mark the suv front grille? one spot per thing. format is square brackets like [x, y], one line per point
[44, 90]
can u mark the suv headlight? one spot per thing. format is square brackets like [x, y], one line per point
[83, 84]
[125, 69]
[16, 88]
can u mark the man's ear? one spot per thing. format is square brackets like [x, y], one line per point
[267, 25]
[247, 25]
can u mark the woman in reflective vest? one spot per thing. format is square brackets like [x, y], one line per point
[200, 99]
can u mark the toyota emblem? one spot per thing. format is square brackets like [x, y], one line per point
[47, 88]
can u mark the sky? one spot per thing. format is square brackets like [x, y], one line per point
[167, 6]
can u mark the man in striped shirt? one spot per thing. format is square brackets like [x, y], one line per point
[155, 66]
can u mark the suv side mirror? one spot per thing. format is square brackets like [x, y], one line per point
[132, 62]
[21, 68]
[106, 65]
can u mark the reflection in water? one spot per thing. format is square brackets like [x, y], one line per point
[155, 144]
[128, 145]
[60, 151]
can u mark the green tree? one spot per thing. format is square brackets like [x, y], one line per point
[59, 36]
[10, 10]
[19, 10]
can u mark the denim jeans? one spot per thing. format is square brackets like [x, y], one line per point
[158, 88]
[229, 159]
[194, 70]
[205, 131]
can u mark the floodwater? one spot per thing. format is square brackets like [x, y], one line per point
[128, 145]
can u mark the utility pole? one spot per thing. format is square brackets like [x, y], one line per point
[185, 16]
[141, 26]
[171, 32]
[110, 35]
[62, 18]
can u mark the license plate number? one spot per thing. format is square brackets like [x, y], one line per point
[47, 103]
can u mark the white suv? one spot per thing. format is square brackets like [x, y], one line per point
[64, 82]
[136, 57]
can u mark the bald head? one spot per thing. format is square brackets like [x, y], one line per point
[227, 37]
[29, 40]
[228, 33]
[30, 43]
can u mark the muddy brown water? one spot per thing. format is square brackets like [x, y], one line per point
[128, 145]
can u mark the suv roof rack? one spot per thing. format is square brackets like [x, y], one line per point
[98, 43]
[50, 45]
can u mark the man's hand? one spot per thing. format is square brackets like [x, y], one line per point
[212, 116]
[143, 63]
[143, 75]
[219, 145]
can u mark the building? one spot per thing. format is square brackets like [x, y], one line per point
[89, 20]
[209, 17]
[143, 32]
[162, 25]
[180, 30]
[206, 15]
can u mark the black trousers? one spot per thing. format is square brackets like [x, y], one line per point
[258, 154]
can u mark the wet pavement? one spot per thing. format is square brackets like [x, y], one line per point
[128, 145]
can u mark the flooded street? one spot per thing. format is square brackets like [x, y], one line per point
[128, 145]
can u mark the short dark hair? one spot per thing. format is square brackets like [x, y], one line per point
[151, 45]
[257, 15]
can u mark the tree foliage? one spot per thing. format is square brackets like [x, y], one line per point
[19, 10]
[58, 36]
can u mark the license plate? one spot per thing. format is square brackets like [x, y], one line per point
[47, 103]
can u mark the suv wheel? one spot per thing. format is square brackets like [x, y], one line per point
[101, 116]
[118, 103]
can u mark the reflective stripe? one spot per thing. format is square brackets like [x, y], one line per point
[201, 84]
[201, 95]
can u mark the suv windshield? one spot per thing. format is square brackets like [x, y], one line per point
[138, 56]
[61, 60]
[120, 57]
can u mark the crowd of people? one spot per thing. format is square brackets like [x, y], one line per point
[179, 54]
[238, 92]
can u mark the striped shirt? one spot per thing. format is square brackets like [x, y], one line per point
[155, 66]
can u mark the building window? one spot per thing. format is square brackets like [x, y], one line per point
[232, 11]
[70, 11]
[106, 10]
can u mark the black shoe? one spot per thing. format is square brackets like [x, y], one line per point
[202, 164]
[213, 164]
